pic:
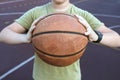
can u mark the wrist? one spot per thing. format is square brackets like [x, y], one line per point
[25, 39]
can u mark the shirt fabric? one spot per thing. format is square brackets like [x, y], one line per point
[42, 70]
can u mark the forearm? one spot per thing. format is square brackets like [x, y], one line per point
[111, 39]
[10, 37]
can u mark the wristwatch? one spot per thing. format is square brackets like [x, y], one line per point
[100, 36]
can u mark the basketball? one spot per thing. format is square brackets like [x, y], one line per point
[59, 40]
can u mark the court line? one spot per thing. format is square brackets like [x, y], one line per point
[12, 13]
[7, 2]
[105, 15]
[79, 1]
[16, 67]
[115, 26]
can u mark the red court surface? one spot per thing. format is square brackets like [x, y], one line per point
[98, 62]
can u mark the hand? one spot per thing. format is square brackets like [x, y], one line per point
[90, 32]
[29, 33]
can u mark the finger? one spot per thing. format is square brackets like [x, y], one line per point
[79, 17]
[87, 33]
[36, 20]
[32, 28]
[83, 21]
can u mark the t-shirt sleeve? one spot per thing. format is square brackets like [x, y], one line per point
[92, 20]
[26, 19]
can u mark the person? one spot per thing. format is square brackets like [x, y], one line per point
[20, 32]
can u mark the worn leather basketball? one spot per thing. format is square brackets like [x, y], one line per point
[59, 40]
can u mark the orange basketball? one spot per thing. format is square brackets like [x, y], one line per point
[59, 39]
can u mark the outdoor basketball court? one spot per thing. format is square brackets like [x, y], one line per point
[98, 62]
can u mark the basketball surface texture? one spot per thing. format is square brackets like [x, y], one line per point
[59, 39]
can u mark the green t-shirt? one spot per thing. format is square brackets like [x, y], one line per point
[42, 70]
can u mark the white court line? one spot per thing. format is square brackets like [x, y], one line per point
[103, 15]
[106, 15]
[79, 1]
[115, 26]
[7, 2]
[12, 13]
[16, 67]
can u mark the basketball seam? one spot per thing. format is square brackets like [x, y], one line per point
[51, 32]
[59, 55]
[53, 15]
